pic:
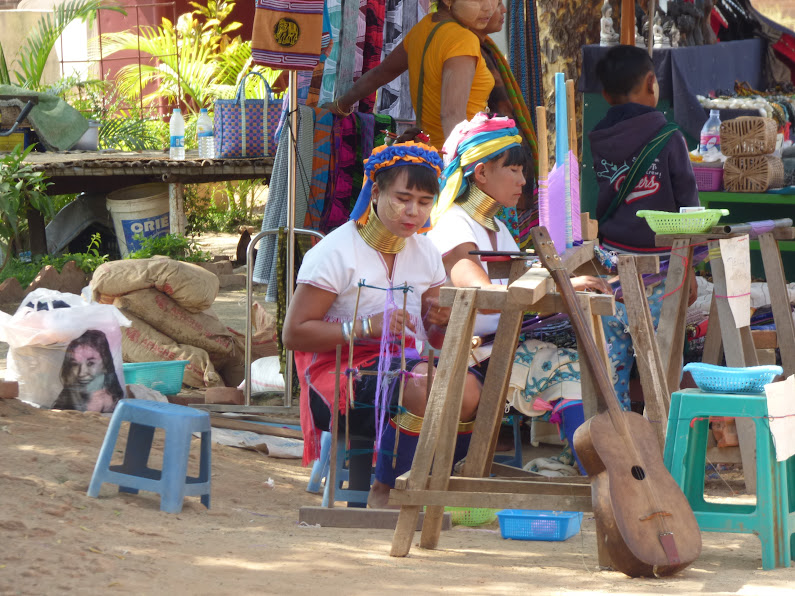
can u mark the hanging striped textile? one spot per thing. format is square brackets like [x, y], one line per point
[330, 64]
[374, 42]
[525, 55]
[401, 16]
[321, 160]
[347, 56]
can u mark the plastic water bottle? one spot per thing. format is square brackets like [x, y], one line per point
[177, 131]
[204, 134]
[710, 134]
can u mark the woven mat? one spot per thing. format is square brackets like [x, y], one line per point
[101, 159]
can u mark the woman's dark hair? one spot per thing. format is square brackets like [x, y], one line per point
[622, 68]
[513, 156]
[96, 339]
[417, 176]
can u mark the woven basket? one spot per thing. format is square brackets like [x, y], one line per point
[9, 115]
[755, 173]
[748, 135]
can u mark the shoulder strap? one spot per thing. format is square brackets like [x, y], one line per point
[641, 165]
[418, 110]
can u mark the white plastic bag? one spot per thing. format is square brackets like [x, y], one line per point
[65, 352]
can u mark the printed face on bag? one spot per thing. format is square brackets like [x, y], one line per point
[83, 364]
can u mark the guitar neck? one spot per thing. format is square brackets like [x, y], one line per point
[545, 249]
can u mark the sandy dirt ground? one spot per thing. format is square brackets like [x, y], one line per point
[54, 539]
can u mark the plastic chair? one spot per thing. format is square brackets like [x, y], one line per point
[773, 516]
[172, 482]
[353, 481]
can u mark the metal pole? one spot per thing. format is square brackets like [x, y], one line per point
[292, 170]
[250, 298]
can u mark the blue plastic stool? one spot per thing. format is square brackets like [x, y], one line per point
[773, 516]
[514, 460]
[320, 472]
[172, 482]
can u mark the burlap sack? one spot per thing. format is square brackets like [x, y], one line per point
[190, 286]
[263, 343]
[202, 330]
[143, 343]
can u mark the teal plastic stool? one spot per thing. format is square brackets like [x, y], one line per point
[773, 516]
[172, 482]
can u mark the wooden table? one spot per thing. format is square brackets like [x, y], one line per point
[106, 171]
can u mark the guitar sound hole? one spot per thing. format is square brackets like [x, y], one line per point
[638, 473]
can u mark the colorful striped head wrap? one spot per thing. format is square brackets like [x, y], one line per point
[385, 157]
[471, 142]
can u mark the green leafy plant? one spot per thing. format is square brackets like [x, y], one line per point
[28, 67]
[26, 272]
[195, 60]
[21, 188]
[175, 246]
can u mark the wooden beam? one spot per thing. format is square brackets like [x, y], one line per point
[358, 517]
[219, 421]
[523, 487]
[442, 498]
[602, 304]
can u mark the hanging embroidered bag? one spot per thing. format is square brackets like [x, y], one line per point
[287, 34]
[246, 127]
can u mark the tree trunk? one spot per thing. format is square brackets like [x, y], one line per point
[564, 27]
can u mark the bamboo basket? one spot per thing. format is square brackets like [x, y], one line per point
[748, 135]
[755, 173]
[9, 115]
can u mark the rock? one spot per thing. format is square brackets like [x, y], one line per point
[234, 281]
[11, 291]
[73, 280]
[9, 389]
[47, 278]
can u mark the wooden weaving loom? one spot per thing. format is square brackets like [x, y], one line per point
[429, 483]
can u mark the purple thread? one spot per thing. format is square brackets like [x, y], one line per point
[761, 227]
[384, 365]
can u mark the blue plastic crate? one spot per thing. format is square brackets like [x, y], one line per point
[725, 379]
[165, 377]
[527, 524]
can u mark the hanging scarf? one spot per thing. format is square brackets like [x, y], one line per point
[521, 115]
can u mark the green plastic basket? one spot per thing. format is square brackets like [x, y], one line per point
[695, 222]
[165, 376]
[471, 516]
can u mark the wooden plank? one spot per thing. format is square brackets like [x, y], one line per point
[671, 335]
[523, 487]
[446, 441]
[552, 303]
[293, 410]
[766, 356]
[764, 339]
[442, 498]
[357, 517]
[503, 472]
[533, 286]
[647, 264]
[219, 421]
[779, 299]
[510, 269]
[713, 344]
[495, 387]
[454, 350]
[647, 354]
[578, 256]
[593, 401]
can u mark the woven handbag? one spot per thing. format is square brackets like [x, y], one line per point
[246, 127]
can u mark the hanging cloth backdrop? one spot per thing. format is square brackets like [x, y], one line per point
[525, 54]
[287, 34]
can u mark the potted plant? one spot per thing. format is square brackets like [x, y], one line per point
[23, 193]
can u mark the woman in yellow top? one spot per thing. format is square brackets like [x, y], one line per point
[450, 81]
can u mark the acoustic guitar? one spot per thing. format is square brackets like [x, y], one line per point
[648, 525]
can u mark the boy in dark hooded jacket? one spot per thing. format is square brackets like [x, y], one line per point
[630, 86]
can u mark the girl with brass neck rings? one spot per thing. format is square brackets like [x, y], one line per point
[484, 171]
[381, 248]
